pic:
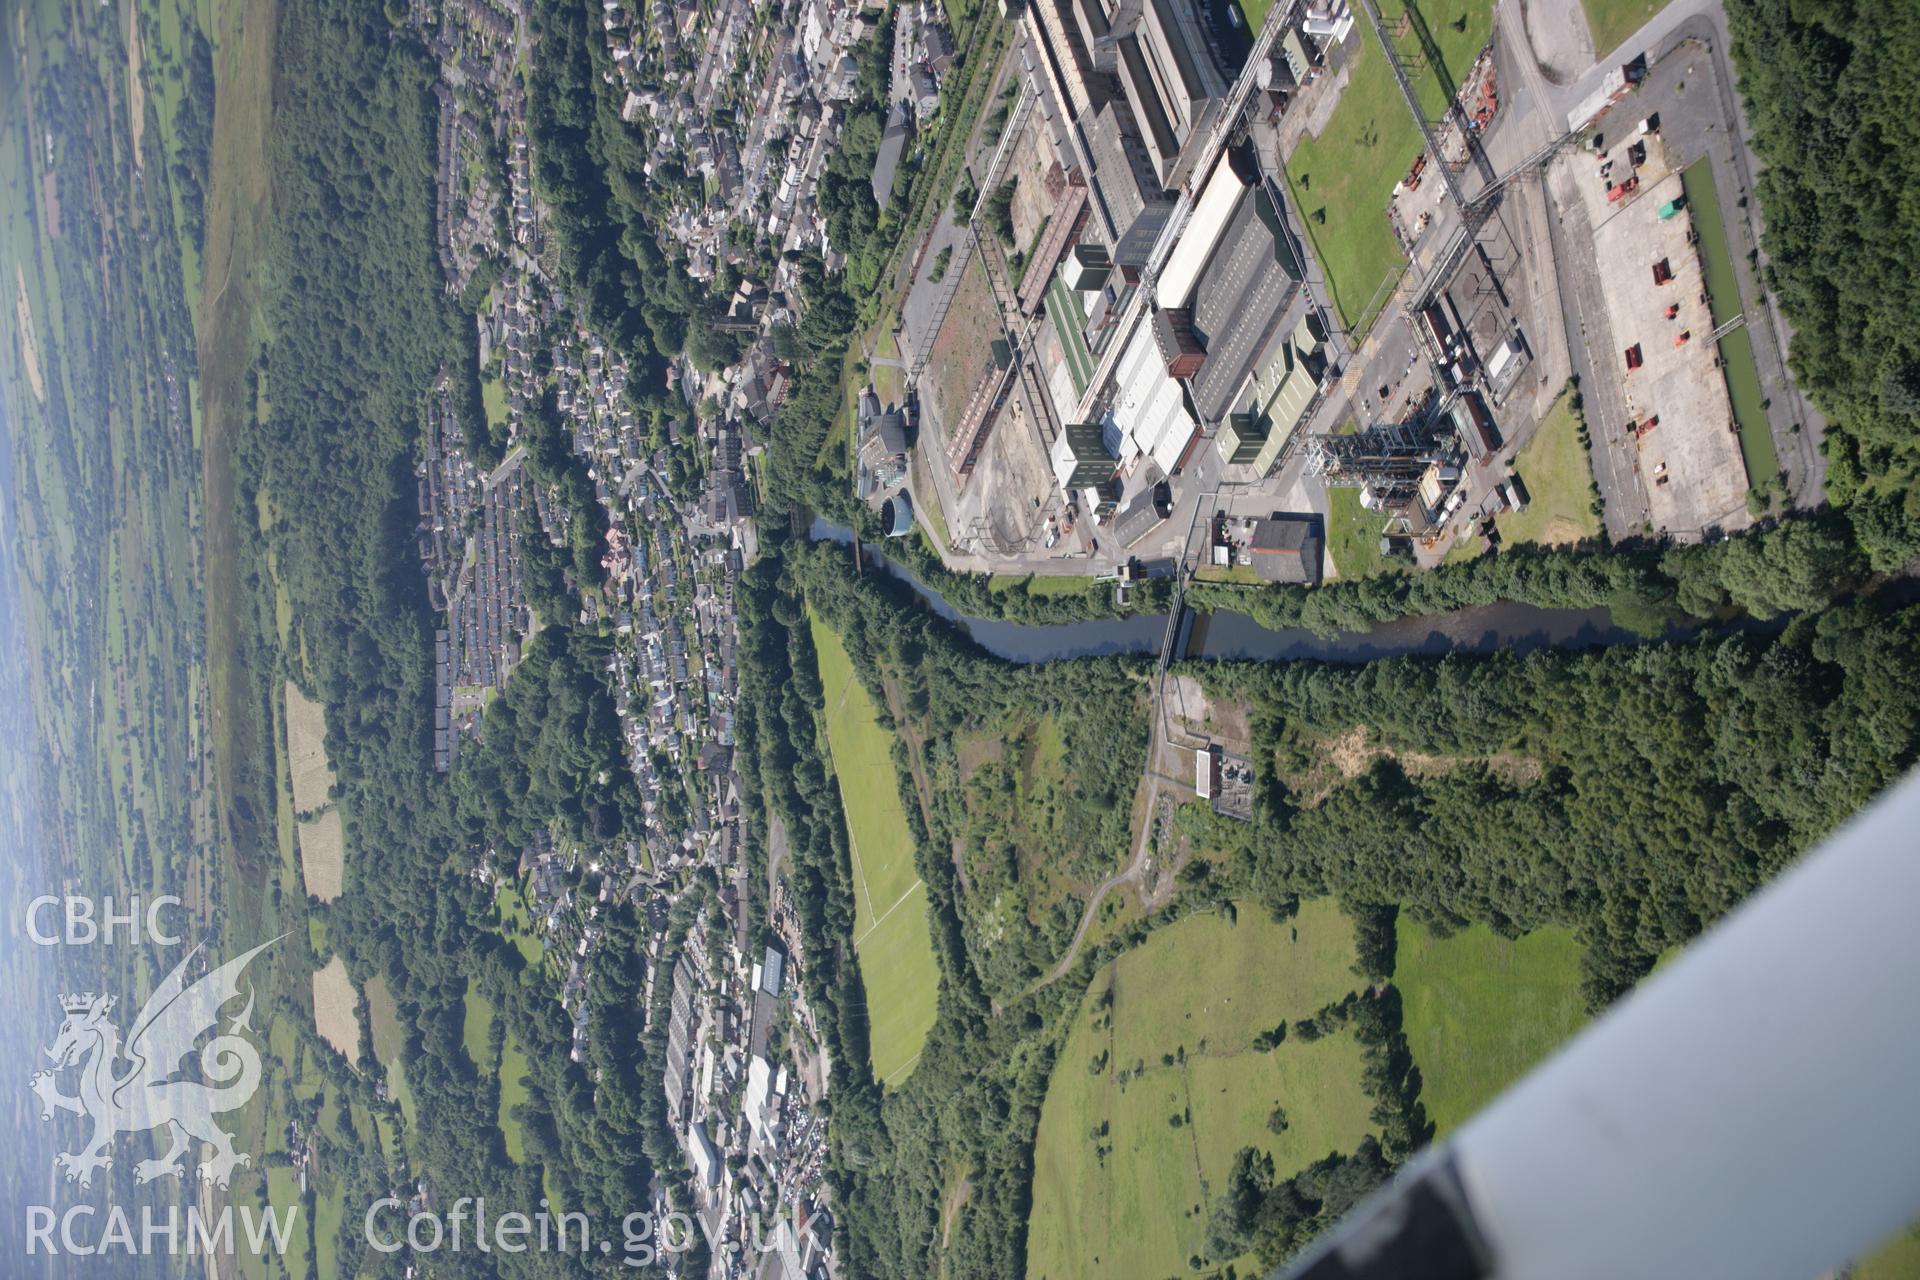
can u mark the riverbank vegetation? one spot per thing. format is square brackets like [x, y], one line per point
[1033, 600]
[972, 1102]
[1799, 564]
[1024, 774]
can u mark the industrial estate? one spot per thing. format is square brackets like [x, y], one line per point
[1278, 300]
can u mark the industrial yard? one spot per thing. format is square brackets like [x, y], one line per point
[1680, 416]
[1176, 325]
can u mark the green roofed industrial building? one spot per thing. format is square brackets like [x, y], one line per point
[1241, 438]
[1282, 394]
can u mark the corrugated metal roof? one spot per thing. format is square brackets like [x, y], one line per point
[1287, 388]
[1242, 294]
[1149, 407]
[1175, 436]
[1215, 210]
[1290, 401]
[1136, 519]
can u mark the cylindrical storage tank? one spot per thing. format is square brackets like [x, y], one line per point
[896, 514]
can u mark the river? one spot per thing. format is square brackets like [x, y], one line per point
[1518, 627]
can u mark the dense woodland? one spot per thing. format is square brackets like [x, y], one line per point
[1635, 793]
[590, 169]
[1835, 109]
[1796, 565]
[193, 127]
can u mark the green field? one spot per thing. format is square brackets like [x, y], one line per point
[1044, 584]
[1440, 42]
[389, 1039]
[889, 381]
[516, 923]
[283, 1193]
[891, 930]
[1557, 475]
[1239, 575]
[474, 1025]
[1353, 535]
[1612, 21]
[1736, 349]
[353, 1128]
[1341, 181]
[1480, 1010]
[513, 1092]
[1199, 990]
[1897, 1259]
[493, 402]
[329, 1209]
[936, 517]
[1255, 13]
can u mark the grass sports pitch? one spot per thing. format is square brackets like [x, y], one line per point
[891, 934]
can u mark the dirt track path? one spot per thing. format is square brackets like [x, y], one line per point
[1130, 874]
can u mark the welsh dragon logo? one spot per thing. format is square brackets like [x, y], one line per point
[135, 1087]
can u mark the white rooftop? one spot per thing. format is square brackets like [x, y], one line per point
[1149, 409]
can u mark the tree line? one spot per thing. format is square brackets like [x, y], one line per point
[1827, 85]
[1796, 564]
